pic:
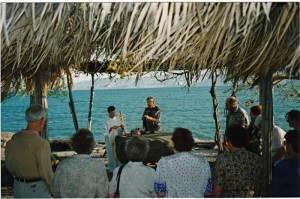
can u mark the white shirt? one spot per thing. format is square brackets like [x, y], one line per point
[136, 181]
[80, 176]
[277, 139]
[184, 174]
[109, 122]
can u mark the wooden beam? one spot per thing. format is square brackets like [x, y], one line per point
[266, 100]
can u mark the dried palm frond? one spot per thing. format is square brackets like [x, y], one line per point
[237, 39]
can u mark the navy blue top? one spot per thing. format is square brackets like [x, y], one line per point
[286, 178]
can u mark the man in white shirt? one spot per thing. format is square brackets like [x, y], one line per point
[278, 148]
[111, 128]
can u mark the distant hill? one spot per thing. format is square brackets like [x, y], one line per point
[84, 82]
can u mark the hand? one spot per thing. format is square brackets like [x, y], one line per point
[147, 117]
[110, 129]
[122, 126]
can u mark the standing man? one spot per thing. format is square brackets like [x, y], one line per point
[111, 128]
[151, 116]
[27, 157]
[235, 114]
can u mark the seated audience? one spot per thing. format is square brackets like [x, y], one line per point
[293, 118]
[136, 179]
[238, 172]
[182, 174]
[286, 177]
[81, 176]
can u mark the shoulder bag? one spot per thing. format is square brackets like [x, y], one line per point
[117, 194]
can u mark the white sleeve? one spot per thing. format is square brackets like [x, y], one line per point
[105, 128]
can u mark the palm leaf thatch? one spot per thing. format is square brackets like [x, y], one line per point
[44, 40]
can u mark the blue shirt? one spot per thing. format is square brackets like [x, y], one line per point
[286, 178]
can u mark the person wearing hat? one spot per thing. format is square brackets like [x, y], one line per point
[151, 116]
[27, 157]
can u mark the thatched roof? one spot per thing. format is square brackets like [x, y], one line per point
[240, 39]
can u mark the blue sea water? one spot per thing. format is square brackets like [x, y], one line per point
[191, 109]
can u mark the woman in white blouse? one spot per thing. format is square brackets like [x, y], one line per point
[183, 174]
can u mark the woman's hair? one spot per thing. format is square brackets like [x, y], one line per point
[83, 141]
[237, 135]
[256, 110]
[293, 137]
[293, 115]
[35, 113]
[136, 149]
[183, 139]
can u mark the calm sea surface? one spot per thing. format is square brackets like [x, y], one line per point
[191, 109]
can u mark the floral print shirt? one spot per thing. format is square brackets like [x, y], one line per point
[238, 172]
[182, 175]
[80, 176]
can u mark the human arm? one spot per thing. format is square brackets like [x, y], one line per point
[279, 155]
[152, 119]
[113, 184]
[153, 116]
[217, 191]
[109, 126]
[43, 156]
[160, 186]
[55, 190]
[246, 119]
[278, 146]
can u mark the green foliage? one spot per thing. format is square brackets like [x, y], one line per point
[59, 93]
[288, 90]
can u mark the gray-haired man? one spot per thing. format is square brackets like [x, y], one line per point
[27, 157]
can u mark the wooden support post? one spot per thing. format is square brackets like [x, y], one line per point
[39, 96]
[71, 102]
[213, 93]
[266, 97]
[89, 126]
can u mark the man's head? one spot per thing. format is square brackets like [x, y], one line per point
[293, 118]
[35, 116]
[111, 111]
[83, 141]
[35, 113]
[292, 142]
[136, 149]
[237, 136]
[150, 102]
[231, 103]
[183, 139]
[255, 111]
